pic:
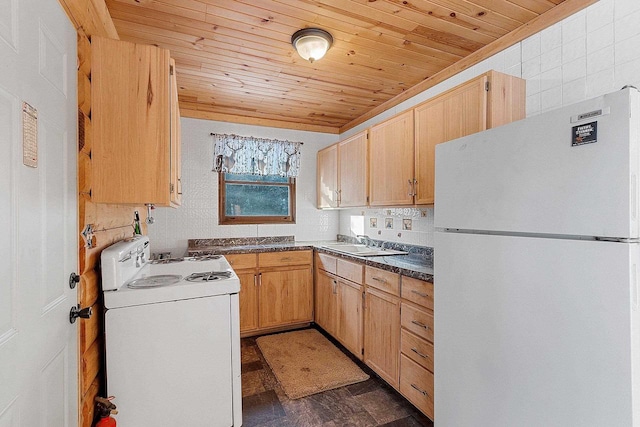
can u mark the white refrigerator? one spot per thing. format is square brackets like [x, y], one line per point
[536, 270]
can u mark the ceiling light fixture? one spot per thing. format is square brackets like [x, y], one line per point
[311, 43]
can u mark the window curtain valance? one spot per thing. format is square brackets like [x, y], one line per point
[255, 156]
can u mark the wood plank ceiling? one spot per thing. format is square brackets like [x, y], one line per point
[235, 61]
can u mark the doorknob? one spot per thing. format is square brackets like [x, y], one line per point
[73, 280]
[76, 312]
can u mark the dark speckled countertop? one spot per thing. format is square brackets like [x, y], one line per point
[417, 264]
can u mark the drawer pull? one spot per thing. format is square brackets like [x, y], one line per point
[423, 295]
[377, 279]
[422, 325]
[287, 258]
[424, 393]
[415, 350]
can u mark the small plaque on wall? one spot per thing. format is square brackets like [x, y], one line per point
[29, 136]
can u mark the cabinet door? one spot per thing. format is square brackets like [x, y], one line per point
[350, 317]
[352, 171]
[327, 177]
[391, 161]
[454, 114]
[382, 334]
[175, 156]
[131, 123]
[248, 301]
[286, 296]
[326, 302]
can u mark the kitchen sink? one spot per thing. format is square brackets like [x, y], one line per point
[361, 250]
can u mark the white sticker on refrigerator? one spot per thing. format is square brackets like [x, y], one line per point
[584, 134]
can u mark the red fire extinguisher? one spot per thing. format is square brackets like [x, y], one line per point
[104, 409]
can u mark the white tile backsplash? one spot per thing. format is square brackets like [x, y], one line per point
[592, 52]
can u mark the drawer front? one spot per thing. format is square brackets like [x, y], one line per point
[418, 291]
[326, 262]
[350, 270]
[417, 321]
[383, 280]
[242, 261]
[279, 259]
[417, 349]
[416, 384]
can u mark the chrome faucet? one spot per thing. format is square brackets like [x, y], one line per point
[364, 238]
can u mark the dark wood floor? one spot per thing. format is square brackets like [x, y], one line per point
[369, 403]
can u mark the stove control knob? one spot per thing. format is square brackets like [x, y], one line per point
[76, 312]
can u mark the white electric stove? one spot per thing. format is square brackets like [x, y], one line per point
[172, 338]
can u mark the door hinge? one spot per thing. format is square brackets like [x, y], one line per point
[367, 199]
[486, 86]
[171, 187]
[171, 70]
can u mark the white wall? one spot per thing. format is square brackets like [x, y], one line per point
[590, 53]
[198, 215]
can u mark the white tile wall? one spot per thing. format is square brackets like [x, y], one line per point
[590, 53]
[198, 215]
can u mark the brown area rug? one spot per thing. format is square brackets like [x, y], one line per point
[305, 363]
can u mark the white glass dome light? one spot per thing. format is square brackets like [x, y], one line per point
[311, 43]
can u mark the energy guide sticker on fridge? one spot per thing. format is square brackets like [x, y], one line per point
[584, 134]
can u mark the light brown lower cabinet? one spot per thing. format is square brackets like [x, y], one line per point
[276, 289]
[350, 316]
[339, 300]
[392, 332]
[416, 384]
[416, 344]
[286, 296]
[248, 301]
[326, 302]
[382, 334]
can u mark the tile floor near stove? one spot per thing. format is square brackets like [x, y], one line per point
[369, 403]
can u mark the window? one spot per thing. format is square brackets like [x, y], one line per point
[256, 199]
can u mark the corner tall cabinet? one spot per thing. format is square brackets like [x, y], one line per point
[490, 100]
[135, 147]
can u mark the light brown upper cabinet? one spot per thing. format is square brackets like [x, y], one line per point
[352, 171]
[400, 167]
[490, 100]
[342, 173]
[327, 177]
[135, 152]
[391, 159]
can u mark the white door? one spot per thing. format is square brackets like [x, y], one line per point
[38, 217]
